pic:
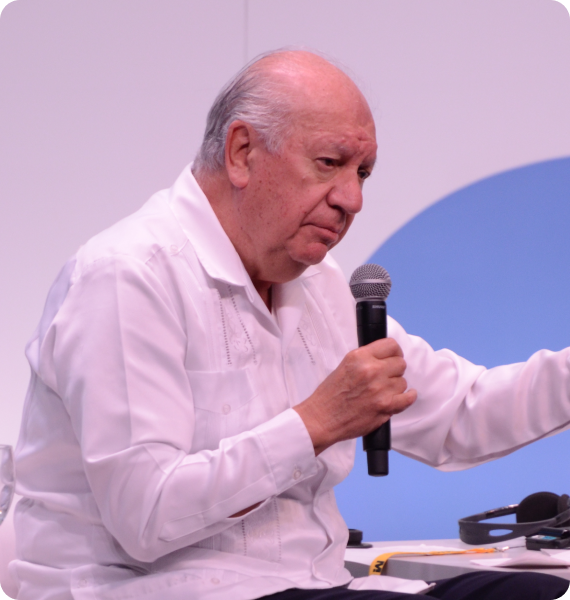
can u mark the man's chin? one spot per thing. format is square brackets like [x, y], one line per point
[294, 267]
[310, 258]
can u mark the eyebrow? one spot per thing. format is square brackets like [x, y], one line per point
[343, 150]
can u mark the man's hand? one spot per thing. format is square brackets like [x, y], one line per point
[361, 394]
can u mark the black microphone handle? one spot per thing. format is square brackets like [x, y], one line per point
[371, 325]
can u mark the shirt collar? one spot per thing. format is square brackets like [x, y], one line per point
[211, 243]
[198, 220]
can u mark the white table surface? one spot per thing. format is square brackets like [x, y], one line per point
[431, 568]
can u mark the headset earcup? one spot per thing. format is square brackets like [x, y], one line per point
[563, 503]
[538, 507]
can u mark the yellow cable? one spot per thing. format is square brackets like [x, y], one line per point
[379, 563]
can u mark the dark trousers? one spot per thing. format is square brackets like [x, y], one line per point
[481, 585]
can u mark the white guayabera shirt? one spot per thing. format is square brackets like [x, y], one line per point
[160, 404]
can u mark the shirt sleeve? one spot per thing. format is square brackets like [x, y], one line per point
[114, 354]
[466, 414]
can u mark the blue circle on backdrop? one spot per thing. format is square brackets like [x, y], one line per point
[486, 273]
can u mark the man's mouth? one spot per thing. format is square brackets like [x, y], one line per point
[334, 228]
[329, 233]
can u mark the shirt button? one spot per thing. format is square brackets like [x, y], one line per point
[226, 409]
[83, 583]
[215, 580]
[296, 474]
[173, 249]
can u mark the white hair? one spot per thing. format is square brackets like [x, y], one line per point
[252, 96]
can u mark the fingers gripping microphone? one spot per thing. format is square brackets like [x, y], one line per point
[370, 286]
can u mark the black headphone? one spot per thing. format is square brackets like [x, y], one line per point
[543, 509]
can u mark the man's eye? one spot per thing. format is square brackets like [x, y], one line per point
[363, 174]
[327, 162]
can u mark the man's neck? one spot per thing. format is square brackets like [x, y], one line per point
[266, 295]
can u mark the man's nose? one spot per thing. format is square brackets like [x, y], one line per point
[347, 194]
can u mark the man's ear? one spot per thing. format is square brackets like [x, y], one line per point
[239, 142]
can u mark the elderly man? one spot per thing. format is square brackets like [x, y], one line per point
[196, 390]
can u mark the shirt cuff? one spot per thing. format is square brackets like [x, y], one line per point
[288, 448]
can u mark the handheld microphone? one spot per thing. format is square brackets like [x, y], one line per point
[370, 285]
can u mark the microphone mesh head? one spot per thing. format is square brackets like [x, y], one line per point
[370, 281]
